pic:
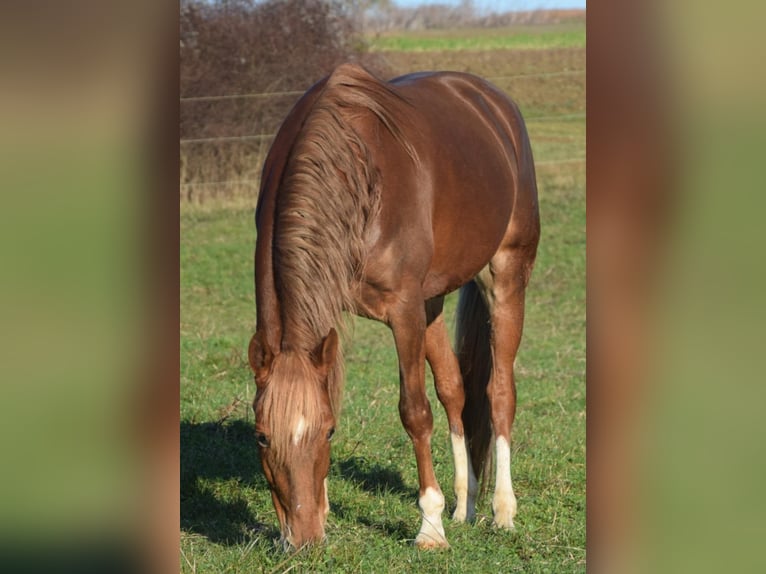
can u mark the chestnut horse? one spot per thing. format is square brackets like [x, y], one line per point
[378, 198]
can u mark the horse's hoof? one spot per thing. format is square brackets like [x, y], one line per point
[430, 542]
[504, 522]
[463, 516]
[503, 510]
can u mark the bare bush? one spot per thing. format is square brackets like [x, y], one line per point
[236, 47]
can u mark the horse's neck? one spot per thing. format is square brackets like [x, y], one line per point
[267, 302]
[299, 329]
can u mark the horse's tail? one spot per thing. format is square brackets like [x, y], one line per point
[472, 344]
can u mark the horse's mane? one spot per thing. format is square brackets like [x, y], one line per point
[329, 194]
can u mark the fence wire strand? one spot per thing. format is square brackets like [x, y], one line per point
[298, 93]
[262, 137]
[577, 115]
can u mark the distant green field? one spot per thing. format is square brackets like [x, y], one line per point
[570, 36]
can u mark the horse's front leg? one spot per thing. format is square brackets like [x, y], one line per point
[409, 326]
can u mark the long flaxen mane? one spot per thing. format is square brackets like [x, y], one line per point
[329, 195]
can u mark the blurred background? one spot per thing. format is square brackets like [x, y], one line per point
[90, 104]
[244, 64]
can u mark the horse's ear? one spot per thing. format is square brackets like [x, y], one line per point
[324, 355]
[261, 357]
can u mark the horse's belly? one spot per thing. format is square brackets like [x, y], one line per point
[437, 284]
[460, 255]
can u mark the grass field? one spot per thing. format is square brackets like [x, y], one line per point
[570, 35]
[227, 519]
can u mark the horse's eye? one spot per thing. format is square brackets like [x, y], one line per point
[262, 439]
[330, 433]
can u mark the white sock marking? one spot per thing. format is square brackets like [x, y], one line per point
[465, 480]
[431, 531]
[504, 502]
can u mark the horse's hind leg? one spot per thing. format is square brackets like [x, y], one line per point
[509, 272]
[449, 389]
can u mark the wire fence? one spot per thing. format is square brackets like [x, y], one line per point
[257, 137]
[240, 96]
[298, 93]
[253, 182]
[294, 93]
[227, 139]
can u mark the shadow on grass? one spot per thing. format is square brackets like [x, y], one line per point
[396, 529]
[374, 478]
[377, 480]
[218, 460]
[219, 452]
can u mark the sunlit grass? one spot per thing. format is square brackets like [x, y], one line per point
[527, 37]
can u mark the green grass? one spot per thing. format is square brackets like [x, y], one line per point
[518, 38]
[228, 523]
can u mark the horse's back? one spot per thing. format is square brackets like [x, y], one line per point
[472, 133]
[475, 176]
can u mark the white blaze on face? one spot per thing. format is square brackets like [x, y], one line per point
[298, 431]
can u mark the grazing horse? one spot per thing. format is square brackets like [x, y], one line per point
[378, 198]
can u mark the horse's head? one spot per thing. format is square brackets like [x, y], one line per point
[295, 422]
